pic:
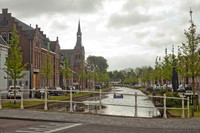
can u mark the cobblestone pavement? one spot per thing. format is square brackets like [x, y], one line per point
[192, 123]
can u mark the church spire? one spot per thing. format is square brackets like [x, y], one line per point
[79, 37]
[79, 27]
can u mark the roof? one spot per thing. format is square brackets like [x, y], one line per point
[53, 45]
[30, 32]
[23, 25]
[2, 41]
[69, 53]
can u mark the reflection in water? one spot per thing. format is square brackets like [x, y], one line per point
[127, 100]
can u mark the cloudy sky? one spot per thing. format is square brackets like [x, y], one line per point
[128, 33]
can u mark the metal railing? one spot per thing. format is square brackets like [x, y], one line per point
[100, 101]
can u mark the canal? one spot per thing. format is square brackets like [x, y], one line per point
[128, 100]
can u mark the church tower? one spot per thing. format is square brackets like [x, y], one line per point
[79, 38]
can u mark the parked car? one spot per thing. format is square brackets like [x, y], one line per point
[39, 93]
[97, 87]
[55, 91]
[11, 92]
[157, 87]
[73, 89]
[188, 87]
[170, 88]
[181, 88]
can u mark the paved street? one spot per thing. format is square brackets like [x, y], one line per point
[27, 126]
[78, 122]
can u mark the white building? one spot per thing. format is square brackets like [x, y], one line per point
[3, 54]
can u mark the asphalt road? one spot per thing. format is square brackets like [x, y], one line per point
[22, 126]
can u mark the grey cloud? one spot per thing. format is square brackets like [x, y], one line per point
[186, 4]
[59, 25]
[142, 34]
[132, 19]
[32, 8]
[131, 61]
[130, 5]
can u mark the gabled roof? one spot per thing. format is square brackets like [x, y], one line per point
[69, 53]
[2, 41]
[23, 25]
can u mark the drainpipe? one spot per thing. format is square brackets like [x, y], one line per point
[31, 66]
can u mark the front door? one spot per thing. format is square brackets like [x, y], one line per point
[34, 80]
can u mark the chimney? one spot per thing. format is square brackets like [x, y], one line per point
[5, 11]
[36, 26]
[57, 39]
[30, 24]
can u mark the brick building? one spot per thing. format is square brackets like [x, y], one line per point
[75, 58]
[33, 43]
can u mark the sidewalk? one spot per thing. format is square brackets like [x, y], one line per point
[192, 123]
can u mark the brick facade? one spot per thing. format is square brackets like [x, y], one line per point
[33, 45]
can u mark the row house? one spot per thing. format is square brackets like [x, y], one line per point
[33, 43]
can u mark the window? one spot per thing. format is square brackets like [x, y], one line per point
[4, 36]
[9, 37]
[79, 56]
[20, 83]
[10, 82]
[26, 83]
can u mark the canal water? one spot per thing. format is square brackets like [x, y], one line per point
[128, 100]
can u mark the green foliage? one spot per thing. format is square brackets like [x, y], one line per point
[146, 74]
[173, 102]
[82, 73]
[166, 66]
[47, 69]
[14, 60]
[99, 62]
[157, 70]
[149, 89]
[189, 56]
[162, 91]
[65, 70]
[130, 80]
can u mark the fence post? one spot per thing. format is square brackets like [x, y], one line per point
[22, 98]
[183, 115]
[0, 100]
[165, 109]
[188, 107]
[100, 101]
[45, 99]
[136, 104]
[71, 110]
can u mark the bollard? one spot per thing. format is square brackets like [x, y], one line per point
[136, 104]
[22, 98]
[192, 111]
[100, 101]
[188, 107]
[45, 100]
[0, 100]
[165, 109]
[71, 110]
[183, 115]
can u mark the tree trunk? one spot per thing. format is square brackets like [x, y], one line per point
[193, 89]
[14, 91]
